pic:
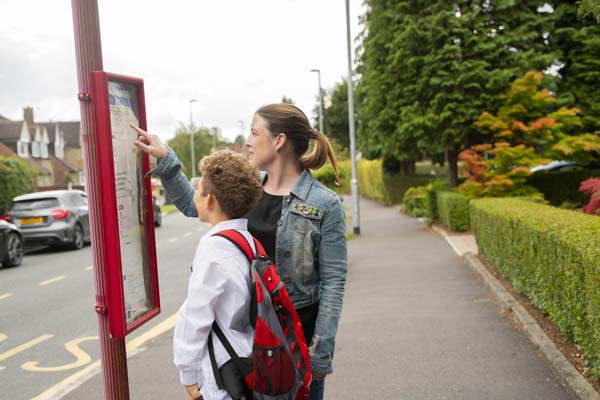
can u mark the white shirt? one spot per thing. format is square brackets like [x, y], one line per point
[218, 290]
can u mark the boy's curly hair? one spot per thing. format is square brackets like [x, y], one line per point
[232, 180]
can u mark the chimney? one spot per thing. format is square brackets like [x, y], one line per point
[28, 115]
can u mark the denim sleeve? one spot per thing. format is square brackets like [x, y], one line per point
[333, 268]
[176, 184]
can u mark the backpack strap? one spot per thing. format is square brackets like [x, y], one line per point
[240, 242]
[228, 347]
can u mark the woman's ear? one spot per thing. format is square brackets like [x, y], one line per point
[280, 141]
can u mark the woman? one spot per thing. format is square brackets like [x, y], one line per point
[298, 220]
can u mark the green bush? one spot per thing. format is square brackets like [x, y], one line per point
[415, 201]
[16, 177]
[453, 210]
[552, 256]
[326, 176]
[370, 181]
[561, 186]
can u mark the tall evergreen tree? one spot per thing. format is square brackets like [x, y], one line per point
[430, 68]
[578, 39]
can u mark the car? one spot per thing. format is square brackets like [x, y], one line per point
[55, 218]
[11, 244]
[555, 166]
[157, 212]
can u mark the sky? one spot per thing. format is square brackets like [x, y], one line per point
[233, 56]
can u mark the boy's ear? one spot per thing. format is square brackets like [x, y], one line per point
[212, 204]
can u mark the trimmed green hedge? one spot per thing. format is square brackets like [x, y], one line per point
[562, 186]
[16, 178]
[326, 176]
[552, 256]
[453, 210]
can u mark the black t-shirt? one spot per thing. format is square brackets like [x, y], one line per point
[262, 224]
[262, 221]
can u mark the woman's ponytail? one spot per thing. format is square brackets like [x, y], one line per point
[317, 155]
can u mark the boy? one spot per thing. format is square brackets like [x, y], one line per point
[218, 287]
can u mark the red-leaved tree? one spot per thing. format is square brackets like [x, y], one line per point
[591, 187]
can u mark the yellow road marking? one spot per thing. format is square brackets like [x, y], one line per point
[72, 347]
[49, 281]
[91, 267]
[2, 337]
[23, 347]
[188, 234]
[73, 381]
[5, 295]
[172, 240]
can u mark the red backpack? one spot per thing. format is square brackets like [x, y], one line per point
[279, 366]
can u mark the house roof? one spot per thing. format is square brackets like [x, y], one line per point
[10, 131]
[70, 131]
[4, 119]
[6, 151]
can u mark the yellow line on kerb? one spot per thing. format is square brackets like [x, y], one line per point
[5, 296]
[49, 281]
[73, 381]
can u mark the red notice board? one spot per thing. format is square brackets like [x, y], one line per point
[127, 220]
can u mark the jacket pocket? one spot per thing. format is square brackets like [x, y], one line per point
[305, 221]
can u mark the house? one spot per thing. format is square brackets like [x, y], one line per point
[52, 148]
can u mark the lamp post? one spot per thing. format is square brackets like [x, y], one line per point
[354, 180]
[241, 127]
[192, 101]
[321, 127]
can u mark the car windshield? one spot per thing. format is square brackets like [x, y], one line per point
[35, 204]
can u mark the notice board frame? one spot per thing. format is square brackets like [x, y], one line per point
[109, 214]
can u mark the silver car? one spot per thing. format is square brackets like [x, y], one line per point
[58, 217]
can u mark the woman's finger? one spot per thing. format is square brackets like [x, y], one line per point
[139, 130]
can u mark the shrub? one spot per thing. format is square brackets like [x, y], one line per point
[326, 176]
[453, 209]
[415, 201]
[370, 181]
[561, 186]
[16, 178]
[591, 187]
[552, 256]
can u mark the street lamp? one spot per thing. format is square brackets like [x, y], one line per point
[241, 126]
[192, 101]
[321, 127]
[354, 180]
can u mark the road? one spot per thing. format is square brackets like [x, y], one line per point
[48, 327]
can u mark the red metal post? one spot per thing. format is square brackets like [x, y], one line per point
[88, 53]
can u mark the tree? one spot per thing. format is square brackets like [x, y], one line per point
[336, 114]
[287, 100]
[16, 178]
[430, 68]
[528, 129]
[578, 39]
[203, 142]
[590, 8]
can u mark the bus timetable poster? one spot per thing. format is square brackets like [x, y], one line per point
[127, 215]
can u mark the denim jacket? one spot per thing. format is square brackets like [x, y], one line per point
[311, 250]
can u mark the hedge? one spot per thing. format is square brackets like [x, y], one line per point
[561, 186]
[326, 176]
[453, 210]
[552, 256]
[16, 178]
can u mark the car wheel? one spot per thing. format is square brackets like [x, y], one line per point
[158, 219]
[77, 238]
[13, 251]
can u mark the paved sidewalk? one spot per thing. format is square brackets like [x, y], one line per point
[417, 324]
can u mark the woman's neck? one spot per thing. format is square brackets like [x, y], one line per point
[282, 176]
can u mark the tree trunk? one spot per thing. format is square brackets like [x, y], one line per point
[452, 158]
[408, 167]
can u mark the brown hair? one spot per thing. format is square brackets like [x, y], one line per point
[232, 180]
[290, 120]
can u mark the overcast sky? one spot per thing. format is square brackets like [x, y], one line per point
[231, 55]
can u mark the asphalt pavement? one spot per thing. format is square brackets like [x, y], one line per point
[417, 324]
